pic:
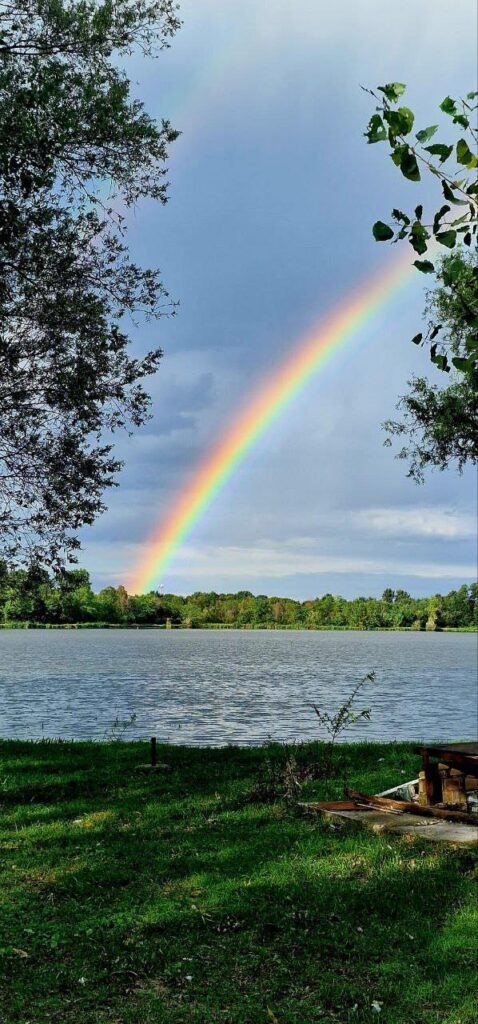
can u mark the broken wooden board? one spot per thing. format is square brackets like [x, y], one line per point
[409, 807]
[400, 823]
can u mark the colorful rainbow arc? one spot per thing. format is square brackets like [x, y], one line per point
[267, 402]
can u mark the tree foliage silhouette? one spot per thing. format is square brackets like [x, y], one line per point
[76, 150]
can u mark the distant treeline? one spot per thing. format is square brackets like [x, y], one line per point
[35, 597]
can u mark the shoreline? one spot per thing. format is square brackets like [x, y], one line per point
[349, 749]
[219, 626]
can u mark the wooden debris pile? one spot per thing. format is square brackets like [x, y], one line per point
[441, 804]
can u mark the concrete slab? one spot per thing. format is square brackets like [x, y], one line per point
[436, 830]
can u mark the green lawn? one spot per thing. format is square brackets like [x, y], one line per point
[197, 896]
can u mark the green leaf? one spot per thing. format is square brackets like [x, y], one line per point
[426, 133]
[448, 106]
[376, 130]
[438, 149]
[398, 152]
[471, 95]
[461, 119]
[419, 212]
[447, 192]
[418, 337]
[382, 232]
[409, 166]
[400, 121]
[393, 90]
[426, 268]
[418, 237]
[451, 270]
[439, 360]
[438, 216]
[436, 330]
[462, 364]
[447, 238]
[467, 238]
[398, 215]
[464, 154]
[473, 188]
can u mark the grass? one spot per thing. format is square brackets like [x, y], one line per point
[196, 896]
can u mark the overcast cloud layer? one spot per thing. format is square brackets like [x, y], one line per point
[273, 193]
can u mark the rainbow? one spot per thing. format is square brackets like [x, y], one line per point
[257, 413]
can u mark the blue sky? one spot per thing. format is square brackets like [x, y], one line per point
[273, 193]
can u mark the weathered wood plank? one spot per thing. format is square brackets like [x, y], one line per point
[412, 808]
[458, 755]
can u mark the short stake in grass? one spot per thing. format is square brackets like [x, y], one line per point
[154, 766]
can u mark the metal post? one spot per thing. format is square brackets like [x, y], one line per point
[154, 759]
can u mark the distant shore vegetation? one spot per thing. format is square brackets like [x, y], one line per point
[36, 599]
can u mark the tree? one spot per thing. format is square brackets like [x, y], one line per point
[112, 605]
[262, 609]
[438, 422]
[68, 598]
[458, 606]
[146, 608]
[25, 595]
[71, 135]
[435, 613]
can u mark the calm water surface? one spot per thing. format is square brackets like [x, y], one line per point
[207, 687]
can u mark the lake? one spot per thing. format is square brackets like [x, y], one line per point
[216, 687]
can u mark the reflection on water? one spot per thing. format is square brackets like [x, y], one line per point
[207, 687]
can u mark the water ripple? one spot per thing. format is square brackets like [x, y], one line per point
[206, 687]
